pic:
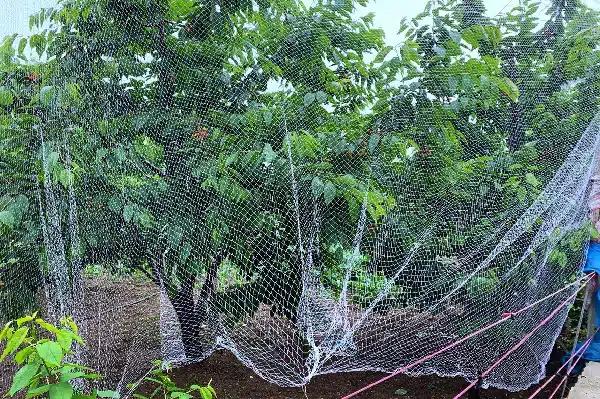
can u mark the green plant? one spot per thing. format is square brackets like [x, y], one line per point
[45, 369]
[436, 112]
[166, 388]
[364, 285]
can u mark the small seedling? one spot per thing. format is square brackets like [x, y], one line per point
[165, 387]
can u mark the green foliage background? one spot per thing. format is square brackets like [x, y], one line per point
[175, 125]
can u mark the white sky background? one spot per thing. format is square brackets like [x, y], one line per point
[14, 14]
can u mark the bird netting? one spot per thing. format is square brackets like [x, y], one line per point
[279, 179]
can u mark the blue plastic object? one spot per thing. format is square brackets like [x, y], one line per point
[592, 353]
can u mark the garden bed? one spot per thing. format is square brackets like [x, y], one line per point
[123, 340]
[232, 380]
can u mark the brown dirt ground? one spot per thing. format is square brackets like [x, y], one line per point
[114, 331]
[232, 380]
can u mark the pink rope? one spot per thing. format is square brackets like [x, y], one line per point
[580, 350]
[564, 379]
[505, 317]
[521, 342]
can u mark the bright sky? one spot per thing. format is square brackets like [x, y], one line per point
[14, 14]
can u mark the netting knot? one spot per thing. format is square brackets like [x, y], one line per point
[508, 315]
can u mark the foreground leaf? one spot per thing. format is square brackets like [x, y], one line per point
[50, 352]
[14, 342]
[62, 390]
[23, 377]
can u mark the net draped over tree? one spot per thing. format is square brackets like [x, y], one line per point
[280, 181]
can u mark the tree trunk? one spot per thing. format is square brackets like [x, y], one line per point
[191, 315]
[187, 314]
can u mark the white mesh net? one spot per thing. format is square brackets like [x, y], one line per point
[280, 180]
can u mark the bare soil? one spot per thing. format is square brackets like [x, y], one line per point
[232, 380]
[123, 338]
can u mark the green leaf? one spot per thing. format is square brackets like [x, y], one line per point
[23, 377]
[382, 54]
[144, 218]
[184, 253]
[47, 326]
[73, 326]
[509, 88]
[23, 354]
[484, 81]
[174, 235]
[22, 44]
[109, 394]
[65, 339]
[5, 330]
[373, 142]
[181, 395]
[472, 35]
[50, 352]
[114, 203]
[334, 87]
[65, 178]
[532, 180]
[66, 377]
[268, 117]
[329, 192]
[128, 212]
[6, 96]
[7, 219]
[6, 50]
[309, 98]
[493, 34]
[18, 207]
[455, 36]
[321, 97]
[25, 319]
[15, 341]
[317, 186]
[62, 390]
[37, 391]
[205, 393]
[452, 84]
[78, 366]
[38, 42]
[521, 194]
[52, 160]
[559, 257]
[181, 8]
